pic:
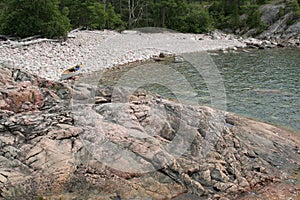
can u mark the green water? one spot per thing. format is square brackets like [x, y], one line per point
[261, 84]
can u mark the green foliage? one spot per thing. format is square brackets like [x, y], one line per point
[30, 17]
[176, 15]
[197, 20]
[165, 12]
[181, 16]
[281, 12]
[113, 20]
[2, 14]
[216, 11]
[239, 15]
[234, 21]
[226, 14]
[254, 21]
[92, 14]
[293, 8]
[54, 18]
[261, 2]
[87, 13]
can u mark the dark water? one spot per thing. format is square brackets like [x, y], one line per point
[261, 84]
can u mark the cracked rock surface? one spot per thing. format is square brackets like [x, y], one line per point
[56, 142]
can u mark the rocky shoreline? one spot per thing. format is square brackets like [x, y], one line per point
[44, 151]
[98, 50]
[48, 152]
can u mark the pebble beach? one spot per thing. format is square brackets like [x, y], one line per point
[98, 50]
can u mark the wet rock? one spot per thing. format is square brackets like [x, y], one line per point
[281, 45]
[178, 59]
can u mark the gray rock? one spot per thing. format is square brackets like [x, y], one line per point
[270, 13]
[178, 59]
[293, 30]
[279, 27]
[2, 179]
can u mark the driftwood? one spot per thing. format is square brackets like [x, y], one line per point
[17, 42]
[6, 37]
[30, 38]
[31, 42]
[3, 37]
[17, 39]
[75, 30]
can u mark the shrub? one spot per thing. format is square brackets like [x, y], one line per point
[113, 20]
[197, 20]
[25, 18]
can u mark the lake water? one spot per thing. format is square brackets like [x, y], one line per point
[260, 84]
[263, 84]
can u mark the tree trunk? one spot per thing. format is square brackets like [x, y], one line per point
[163, 16]
[129, 15]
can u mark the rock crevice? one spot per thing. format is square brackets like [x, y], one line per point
[145, 147]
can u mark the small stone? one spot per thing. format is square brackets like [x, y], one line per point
[2, 128]
[206, 176]
[223, 186]
[2, 179]
[219, 176]
[100, 100]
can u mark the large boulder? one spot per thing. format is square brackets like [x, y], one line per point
[135, 146]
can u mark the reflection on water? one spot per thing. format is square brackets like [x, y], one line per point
[261, 84]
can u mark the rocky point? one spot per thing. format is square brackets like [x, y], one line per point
[54, 138]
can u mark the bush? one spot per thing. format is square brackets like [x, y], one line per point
[92, 14]
[113, 20]
[197, 20]
[293, 8]
[25, 18]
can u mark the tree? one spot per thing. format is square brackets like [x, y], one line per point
[92, 14]
[165, 8]
[197, 20]
[49, 17]
[86, 13]
[135, 11]
[34, 17]
[113, 20]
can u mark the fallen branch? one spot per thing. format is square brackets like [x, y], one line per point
[30, 38]
[15, 44]
[5, 38]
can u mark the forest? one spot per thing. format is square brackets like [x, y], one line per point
[54, 18]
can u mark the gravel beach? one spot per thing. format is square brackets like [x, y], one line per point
[98, 50]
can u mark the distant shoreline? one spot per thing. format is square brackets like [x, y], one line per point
[98, 50]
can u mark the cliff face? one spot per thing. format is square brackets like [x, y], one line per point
[146, 147]
[280, 23]
[281, 20]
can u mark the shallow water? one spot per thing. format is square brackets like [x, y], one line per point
[261, 84]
